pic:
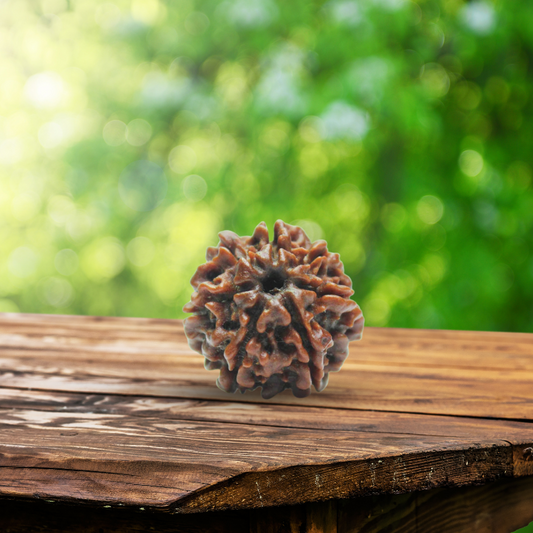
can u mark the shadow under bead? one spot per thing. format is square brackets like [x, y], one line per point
[275, 315]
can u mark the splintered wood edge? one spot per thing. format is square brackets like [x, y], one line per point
[393, 474]
[389, 475]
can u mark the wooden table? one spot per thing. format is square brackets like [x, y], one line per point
[112, 424]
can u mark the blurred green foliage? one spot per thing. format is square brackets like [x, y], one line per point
[400, 131]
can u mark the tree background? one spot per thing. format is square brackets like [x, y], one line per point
[401, 132]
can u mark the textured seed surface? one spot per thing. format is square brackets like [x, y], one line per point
[275, 315]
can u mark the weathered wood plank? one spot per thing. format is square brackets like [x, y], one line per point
[455, 349]
[265, 414]
[454, 373]
[492, 394]
[160, 462]
[426, 348]
[157, 452]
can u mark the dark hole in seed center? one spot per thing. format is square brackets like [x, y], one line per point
[273, 282]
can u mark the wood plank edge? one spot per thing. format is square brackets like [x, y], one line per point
[275, 486]
[389, 475]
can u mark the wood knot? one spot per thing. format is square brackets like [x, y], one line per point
[528, 454]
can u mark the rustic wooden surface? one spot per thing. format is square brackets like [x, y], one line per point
[119, 413]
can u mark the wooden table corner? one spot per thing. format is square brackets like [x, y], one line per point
[113, 424]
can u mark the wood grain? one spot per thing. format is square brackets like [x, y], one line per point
[120, 413]
[481, 374]
[195, 466]
[264, 414]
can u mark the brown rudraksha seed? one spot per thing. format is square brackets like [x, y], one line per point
[275, 315]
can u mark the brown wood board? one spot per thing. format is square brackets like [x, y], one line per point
[121, 412]
[436, 372]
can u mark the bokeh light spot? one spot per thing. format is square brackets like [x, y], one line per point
[182, 159]
[57, 292]
[22, 262]
[194, 188]
[50, 135]
[138, 132]
[103, 259]
[107, 15]
[45, 90]
[251, 13]
[114, 132]
[140, 251]
[61, 209]
[11, 151]
[275, 136]
[479, 16]
[146, 11]
[345, 12]
[471, 163]
[377, 312]
[343, 121]
[142, 185]
[430, 209]
[435, 80]
[66, 262]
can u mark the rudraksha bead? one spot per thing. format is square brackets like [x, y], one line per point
[275, 315]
